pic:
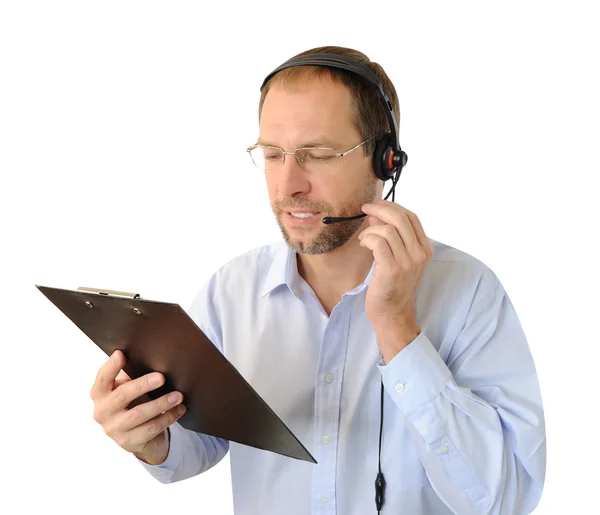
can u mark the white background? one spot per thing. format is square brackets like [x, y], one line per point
[123, 129]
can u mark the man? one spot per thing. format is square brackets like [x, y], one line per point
[318, 323]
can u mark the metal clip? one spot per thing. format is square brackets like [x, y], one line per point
[110, 292]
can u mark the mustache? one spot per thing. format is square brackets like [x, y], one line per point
[283, 205]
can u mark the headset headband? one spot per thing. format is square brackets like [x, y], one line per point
[345, 63]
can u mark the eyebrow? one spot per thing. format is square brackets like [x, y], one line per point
[323, 142]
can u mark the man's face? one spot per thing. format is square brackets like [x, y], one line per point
[315, 114]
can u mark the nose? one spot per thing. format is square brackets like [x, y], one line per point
[292, 179]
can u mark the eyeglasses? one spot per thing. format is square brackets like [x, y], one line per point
[270, 158]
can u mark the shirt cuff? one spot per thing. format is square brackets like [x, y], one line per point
[167, 467]
[415, 375]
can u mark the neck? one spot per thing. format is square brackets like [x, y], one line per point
[333, 273]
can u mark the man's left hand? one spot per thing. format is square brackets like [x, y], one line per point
[401, 251]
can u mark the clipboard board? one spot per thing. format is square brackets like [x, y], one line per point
[161, 337]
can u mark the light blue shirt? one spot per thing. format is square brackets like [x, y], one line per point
[463, 420]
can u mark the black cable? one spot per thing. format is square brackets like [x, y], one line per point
[380, 480]
[393, 188]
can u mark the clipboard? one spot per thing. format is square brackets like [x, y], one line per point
[161, 337]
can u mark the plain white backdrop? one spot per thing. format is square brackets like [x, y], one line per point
[123, 129]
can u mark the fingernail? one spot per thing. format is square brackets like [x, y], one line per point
[174, 397]
[154, 380]
[180, 409]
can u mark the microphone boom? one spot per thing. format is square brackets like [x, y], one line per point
[333, 220]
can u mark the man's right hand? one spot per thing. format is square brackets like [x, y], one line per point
[141, 430]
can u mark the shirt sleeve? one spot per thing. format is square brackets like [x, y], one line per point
[478, 422]
[192, 453]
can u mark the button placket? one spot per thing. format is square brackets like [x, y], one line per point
[327, 406]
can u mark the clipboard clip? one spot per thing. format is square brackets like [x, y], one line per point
[110, 292]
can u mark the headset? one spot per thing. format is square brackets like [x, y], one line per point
[388, 161]
[388, 157]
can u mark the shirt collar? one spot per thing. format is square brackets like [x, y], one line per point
[284, 270]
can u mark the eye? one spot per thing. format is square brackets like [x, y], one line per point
[317, 155]
[272, 155]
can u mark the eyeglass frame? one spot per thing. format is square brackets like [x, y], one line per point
[285, 153]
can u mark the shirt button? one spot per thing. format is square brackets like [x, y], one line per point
[444, 449]
[325, 439]
[329, 378]
[324, 500]
[400, 387]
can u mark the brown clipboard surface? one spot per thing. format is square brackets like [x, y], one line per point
[161, 337]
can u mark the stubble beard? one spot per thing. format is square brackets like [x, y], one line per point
[329, 236]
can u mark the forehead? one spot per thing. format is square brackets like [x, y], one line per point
[306, 109]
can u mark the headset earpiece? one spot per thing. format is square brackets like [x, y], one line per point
[386, 160]
[383, 158]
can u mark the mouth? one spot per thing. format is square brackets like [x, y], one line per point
[302, 217]
[302, 213]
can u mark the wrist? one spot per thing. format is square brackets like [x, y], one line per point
[156, 458]
[393, 335]
[151, 460]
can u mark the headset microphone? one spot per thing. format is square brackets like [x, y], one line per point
[332, 219]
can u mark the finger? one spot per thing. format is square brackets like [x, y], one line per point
[420, 232]
[373, 220]
[104, 383]
[127, 392]
[394, 214]
[143, 433]
[130, 419]
[416, 225]
[381, 250]
[122, 377]
[393, 240]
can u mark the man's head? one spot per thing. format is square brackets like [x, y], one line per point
[316, 106]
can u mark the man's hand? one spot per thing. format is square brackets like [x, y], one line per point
[401, 251]
[141, 430]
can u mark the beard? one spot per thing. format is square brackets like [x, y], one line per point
[330, 236]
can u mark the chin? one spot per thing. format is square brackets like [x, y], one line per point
[326, 239]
